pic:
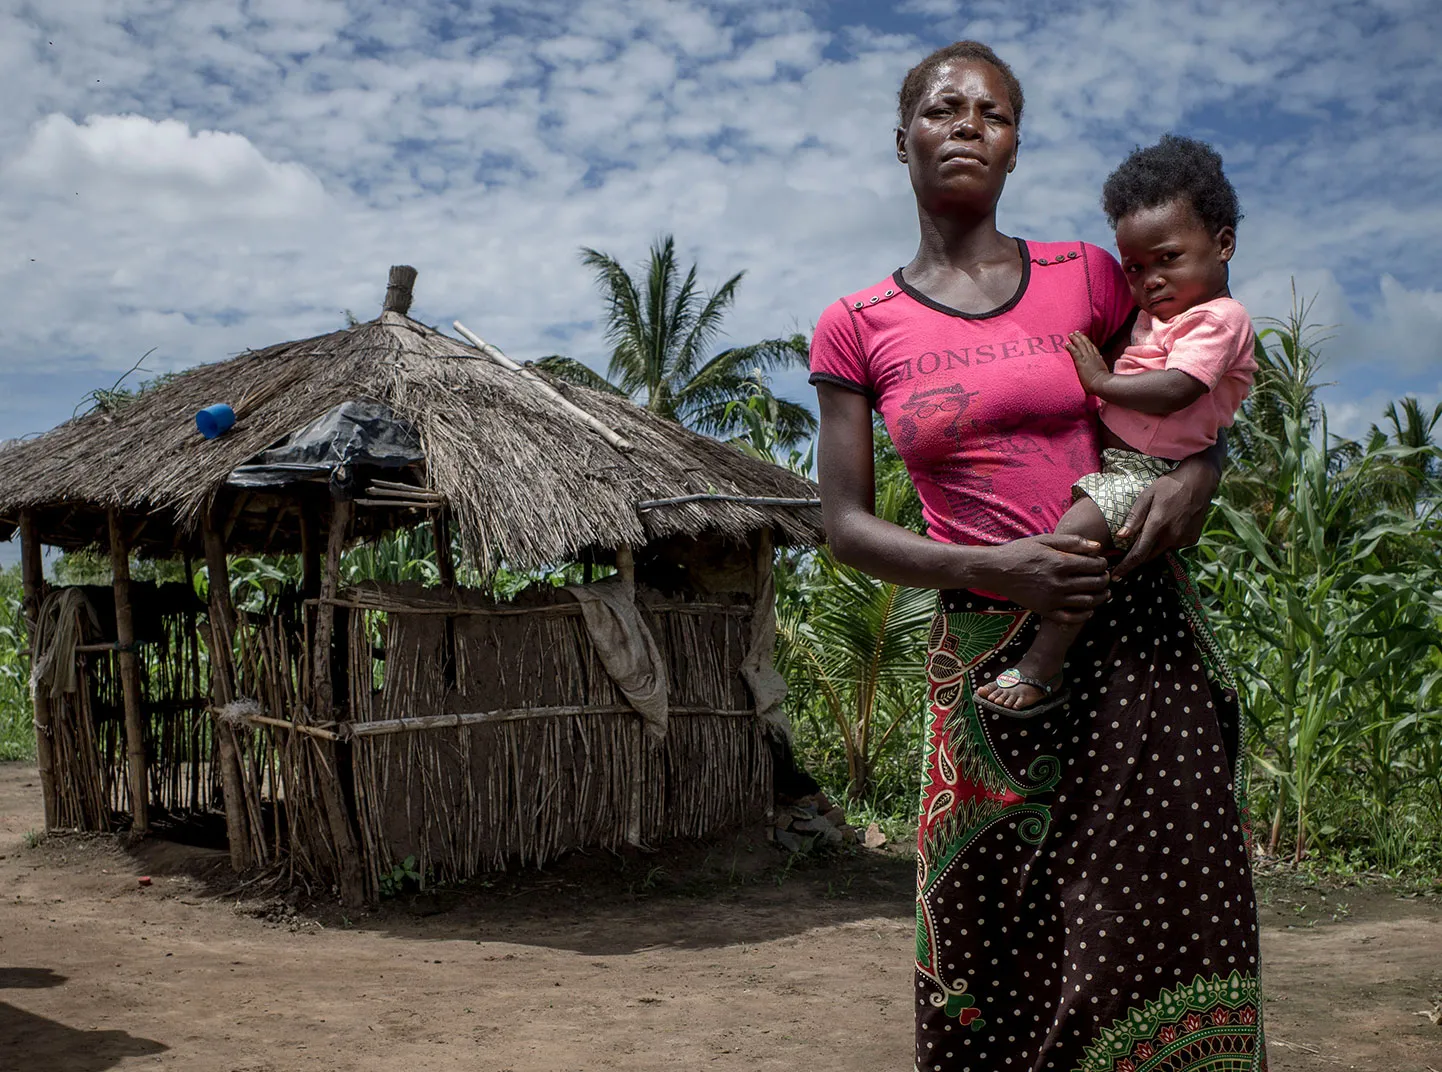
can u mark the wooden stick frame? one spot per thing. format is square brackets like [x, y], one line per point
[339, 820]
[129, 677]
[222, 625]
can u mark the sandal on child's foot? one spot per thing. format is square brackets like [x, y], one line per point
[1053, 695]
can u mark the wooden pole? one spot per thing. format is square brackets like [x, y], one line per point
[192, 646]
[32, 577]
[323, 709]
[765, 563]
[739, 500]
[222, 691]
[129, 677]
[222, 617]
[309, 550]
[445, 563]
[476, 718]
[765, 588]
[399, 289]
[626, 567]
[347, 855]
[237, 824]
[446, 568]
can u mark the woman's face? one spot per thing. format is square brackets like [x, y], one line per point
[960, 143]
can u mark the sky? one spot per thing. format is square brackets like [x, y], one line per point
[190, 178]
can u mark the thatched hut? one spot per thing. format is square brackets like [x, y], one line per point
[347, 726]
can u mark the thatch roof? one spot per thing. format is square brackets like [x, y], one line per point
[525, 482]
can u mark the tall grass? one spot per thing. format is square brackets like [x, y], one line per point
[17, 733]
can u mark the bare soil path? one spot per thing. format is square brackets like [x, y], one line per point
[714, 957]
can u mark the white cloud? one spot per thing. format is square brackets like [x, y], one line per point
[131, 164]
[1414, 321]
[1273, 295]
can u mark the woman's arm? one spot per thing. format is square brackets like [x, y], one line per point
[1061, 576]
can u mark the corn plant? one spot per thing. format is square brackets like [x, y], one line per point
[1318, 580]
[17, 735]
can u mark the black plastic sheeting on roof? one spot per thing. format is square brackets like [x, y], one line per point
[353, 433]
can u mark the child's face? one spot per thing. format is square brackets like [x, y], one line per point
[1171, 260]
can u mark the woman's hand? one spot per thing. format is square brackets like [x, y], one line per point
[1170, 514]
[1059, 576]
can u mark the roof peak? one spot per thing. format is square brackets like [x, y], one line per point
[398, 290]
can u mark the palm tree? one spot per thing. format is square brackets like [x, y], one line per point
[854, 648]
[1417, 437]
[660, 329]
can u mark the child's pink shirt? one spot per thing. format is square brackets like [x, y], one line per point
[985, 410]
[1211, 342]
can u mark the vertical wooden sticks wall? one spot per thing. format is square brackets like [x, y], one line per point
[33, 578]
[338, 818]
[626, 568]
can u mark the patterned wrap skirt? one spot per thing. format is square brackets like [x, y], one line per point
[1084, 894]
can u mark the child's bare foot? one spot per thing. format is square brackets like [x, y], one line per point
[1022, 690]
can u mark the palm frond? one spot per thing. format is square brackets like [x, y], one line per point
[707, 324]
[656, 328]
[625, 322]
[660, 326]
[572, 371]
[787, 424]
[768, 355]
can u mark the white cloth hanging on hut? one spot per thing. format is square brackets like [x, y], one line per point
[627, 649]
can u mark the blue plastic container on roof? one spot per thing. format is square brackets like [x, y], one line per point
[214, 420]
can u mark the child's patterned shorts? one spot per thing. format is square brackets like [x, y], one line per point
[1125, 474]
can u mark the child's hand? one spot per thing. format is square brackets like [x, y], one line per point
[1090, 368]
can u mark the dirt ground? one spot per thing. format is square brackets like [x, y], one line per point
[717, 956]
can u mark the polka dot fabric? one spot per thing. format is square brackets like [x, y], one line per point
[1084, 895]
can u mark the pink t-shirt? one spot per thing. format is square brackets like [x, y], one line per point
[986, 410]
[1211, 342]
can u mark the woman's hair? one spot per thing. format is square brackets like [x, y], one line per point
[1174, 167]
[915, 81]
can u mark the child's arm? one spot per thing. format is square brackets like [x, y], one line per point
[1159, 392]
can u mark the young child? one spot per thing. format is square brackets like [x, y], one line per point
[1183, 377]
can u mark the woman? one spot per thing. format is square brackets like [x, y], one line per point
[1084, 898]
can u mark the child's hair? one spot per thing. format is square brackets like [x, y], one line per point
[1173, 167]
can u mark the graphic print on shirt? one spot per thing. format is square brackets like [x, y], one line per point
[924, 407]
